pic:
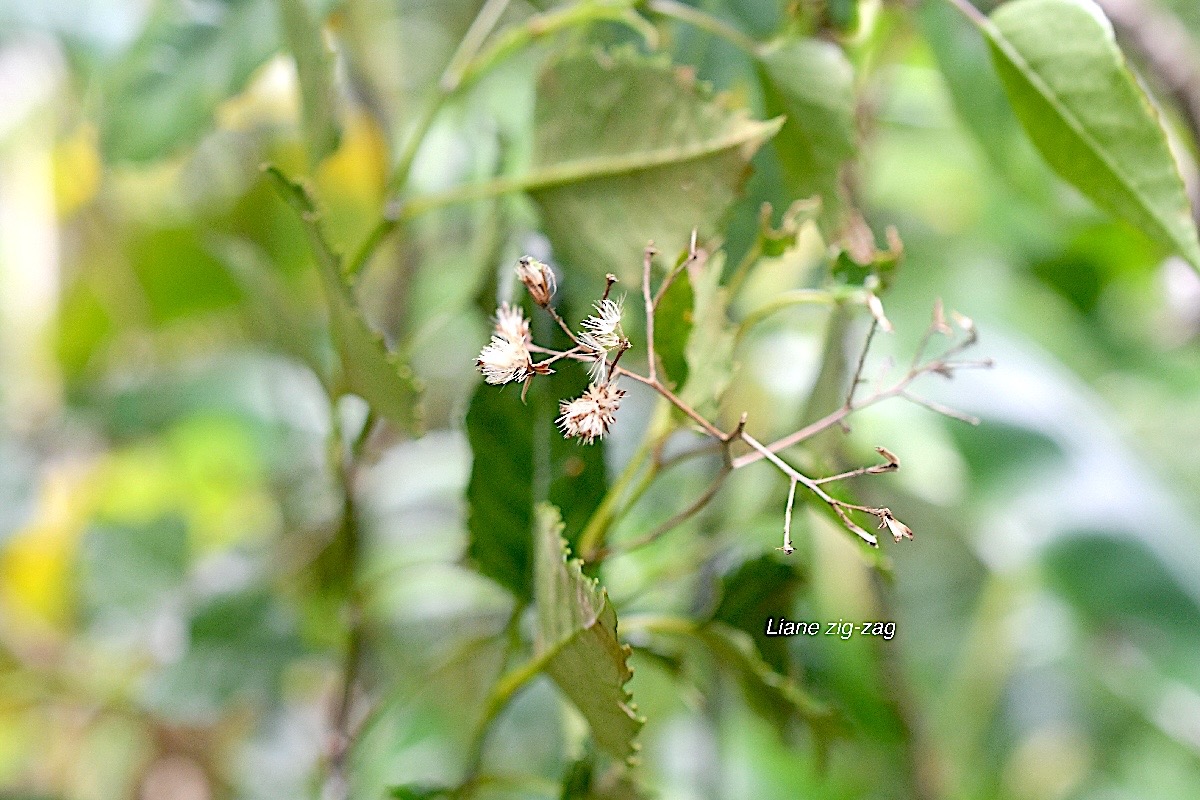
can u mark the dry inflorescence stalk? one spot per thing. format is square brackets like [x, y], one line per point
[509, 357]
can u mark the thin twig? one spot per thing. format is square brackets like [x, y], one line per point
[856, 378]
[557, 355]
[705, 22]
[760, 451]
[710, 447]
[943, 366]
[647, 261]
[692, 257]
[854, 473]
[562, 324]
[787, 519]
[838, 506]
[946, 411]
[697, 417]
[341, 731]
[680, 518]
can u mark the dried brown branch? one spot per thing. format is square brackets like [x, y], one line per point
[944, 365]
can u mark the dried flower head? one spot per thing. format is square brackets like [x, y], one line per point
[538, 279]
[511, 323]
[589, 416]
[897, 528]
[876, 307]
[504, 359]
[939, 318]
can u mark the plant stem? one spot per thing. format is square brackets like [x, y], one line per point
[448, 84]
[683, 516]
[468, 64]
[502, 693]
[796, 297]
[705, 22]
[709, 428]
[341, 734]
[648, 302]
[591, 540]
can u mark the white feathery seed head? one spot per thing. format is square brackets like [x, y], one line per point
[503, 360]
[511, 323]
[589, 416]
[602, 330]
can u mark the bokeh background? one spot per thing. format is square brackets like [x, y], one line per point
[165, 487]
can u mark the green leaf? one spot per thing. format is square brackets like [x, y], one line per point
[162, 93]
[367, 367]
[581, 781]
[577, 780]
[842, 14]
[757, 590]
[1069, 85]
[772, 695]
[500, 491]
[314, 71]
[673, 328]
[578, 478]
[812, 83]
[272, 315]
[577, 637]
[1119, 582]
[774, 242]
[519, 459]
[628, 150]
[709, 351]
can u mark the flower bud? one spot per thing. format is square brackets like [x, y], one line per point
[538, 279]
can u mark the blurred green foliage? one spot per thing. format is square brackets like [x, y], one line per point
[264, 533]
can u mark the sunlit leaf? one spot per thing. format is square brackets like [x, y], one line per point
[1072, 91]
[577, 631]
[628, 150]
